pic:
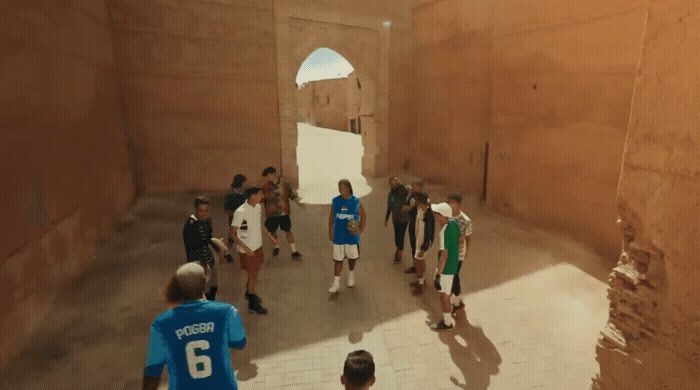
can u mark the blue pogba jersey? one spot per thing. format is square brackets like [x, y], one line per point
[343, 210]
[193, 339]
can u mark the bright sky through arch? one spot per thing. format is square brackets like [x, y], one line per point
[323, 64]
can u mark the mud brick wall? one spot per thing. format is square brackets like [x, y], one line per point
[652, 340]
[64, 155]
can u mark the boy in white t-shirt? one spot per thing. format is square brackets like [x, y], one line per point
[246, 231]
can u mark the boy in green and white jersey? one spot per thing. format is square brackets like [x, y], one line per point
[448, 261]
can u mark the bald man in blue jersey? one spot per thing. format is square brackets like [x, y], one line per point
[194, 337]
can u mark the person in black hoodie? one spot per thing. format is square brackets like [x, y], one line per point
[425, 235]
[398, 197]
[199, 241]
[412, 209]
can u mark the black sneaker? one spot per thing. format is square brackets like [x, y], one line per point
[275, 251]
[254, 305]
[411, 270]
[296, 255]
[248, 295]
[441, 326]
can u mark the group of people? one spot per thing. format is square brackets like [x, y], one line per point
[194, 336]
[244, 206]
[410, 209]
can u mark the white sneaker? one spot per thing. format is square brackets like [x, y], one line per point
[334, 287]
[351, 280]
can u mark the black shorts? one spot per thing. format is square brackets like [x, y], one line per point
[278, 222]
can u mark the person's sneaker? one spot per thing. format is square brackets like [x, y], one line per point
[411, 270]
[455, 308]
[296, 255]
[441, 326]
[275, 251]
[334, 287]
[351, 280]
[248, 295]
[254, 305]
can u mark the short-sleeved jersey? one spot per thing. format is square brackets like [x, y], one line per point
[465, 230]
[247, 220]
[344, 210]
[193, 339]
[449, 242]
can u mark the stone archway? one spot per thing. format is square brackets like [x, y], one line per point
[365, 44]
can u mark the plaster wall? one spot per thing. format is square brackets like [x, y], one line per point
[562, 91]
[65, 163]
[453, 91]
[548, 91]
[652, 340]
[324, 103]
[200, 86]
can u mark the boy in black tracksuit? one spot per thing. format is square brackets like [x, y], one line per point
[397, 198]
[412, 208]
[199, 240]
[425, 235]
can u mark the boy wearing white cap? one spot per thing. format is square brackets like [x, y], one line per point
[465, 230]
[448, 261]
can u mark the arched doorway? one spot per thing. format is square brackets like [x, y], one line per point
[366, 46]
[329, 140]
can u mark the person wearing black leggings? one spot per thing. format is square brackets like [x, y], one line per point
[398, 197]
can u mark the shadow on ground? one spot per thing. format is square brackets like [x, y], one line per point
[97, 335]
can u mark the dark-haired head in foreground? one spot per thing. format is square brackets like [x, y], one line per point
[358, 372]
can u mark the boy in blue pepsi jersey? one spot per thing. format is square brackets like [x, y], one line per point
[194, 337]
[346, 222]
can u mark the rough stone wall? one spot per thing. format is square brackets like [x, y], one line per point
[63, 154]
[200, 86]
[652, 340]
[548, 84]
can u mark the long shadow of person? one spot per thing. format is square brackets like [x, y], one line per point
[471, 351]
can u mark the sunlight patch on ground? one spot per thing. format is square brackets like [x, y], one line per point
[325, 156]
[537, 330]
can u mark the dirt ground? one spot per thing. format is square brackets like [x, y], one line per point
[535, 304]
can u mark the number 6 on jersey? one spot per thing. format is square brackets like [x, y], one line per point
[198, 365]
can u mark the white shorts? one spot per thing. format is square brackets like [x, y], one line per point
[345, 251]
[446, 283]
